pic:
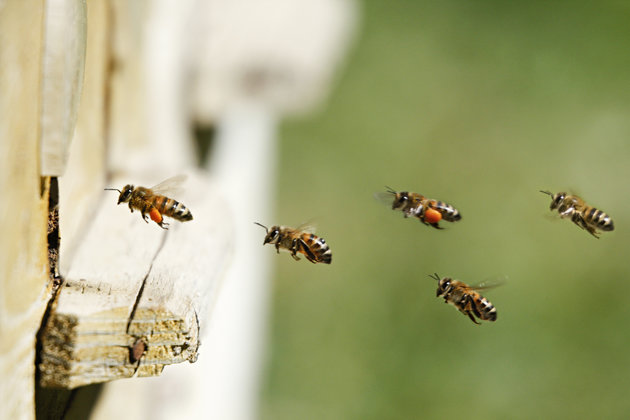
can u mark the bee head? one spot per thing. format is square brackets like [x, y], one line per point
[125, 195]
[273, 234]
[444, 285]
[556, 199]
[400, 200]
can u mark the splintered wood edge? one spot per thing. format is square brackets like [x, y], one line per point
[79, 352]
[135, 295]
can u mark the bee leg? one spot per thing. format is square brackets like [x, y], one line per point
[144, 217]
[472, 318]
[163, 225]
[307, 252]
[411, 212]
[130, 208]
[435, 225]
[294, 250]
[591, 230]
[469, 308]
[277, 248]
[579, 220]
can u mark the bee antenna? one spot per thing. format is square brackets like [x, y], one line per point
[436, 276]
[112, 189]
[390, 190]
[546, 192]
[263, 226]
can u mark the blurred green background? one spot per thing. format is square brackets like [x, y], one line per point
[480, 104]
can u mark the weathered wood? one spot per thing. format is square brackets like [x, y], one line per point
[247, 70]
[23, 206]
[62, 79]
[133, 293]
[133, 285]
[220, 384]
[85, 169]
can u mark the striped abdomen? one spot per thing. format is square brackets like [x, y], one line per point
[317, 249]
[449, 213]
[171, 208]
[597, 219]
[482, 308]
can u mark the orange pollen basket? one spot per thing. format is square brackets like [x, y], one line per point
[155, 215]
[432, 216]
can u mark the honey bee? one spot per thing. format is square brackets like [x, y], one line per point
[465, 298]
[302, 240]
[151, 201]
[587, 217]
[427, 210]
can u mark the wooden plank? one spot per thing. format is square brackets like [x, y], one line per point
[63, 62]
[258, 67]
[79, 191]
[223, 383]
[133, 285]
[84, 173]
[23, 207]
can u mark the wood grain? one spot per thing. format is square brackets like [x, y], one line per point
[134, 284]
[85, 167]
[63, 60]
[23, 206]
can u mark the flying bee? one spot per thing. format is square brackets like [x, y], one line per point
[465, 298]
[427, 210]
[302, 240]
[587, 217]
[153, 201]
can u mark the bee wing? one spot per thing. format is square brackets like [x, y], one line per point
[553, 217]
[307, 227]
[384, 197]
[170, 186]
[487, 285]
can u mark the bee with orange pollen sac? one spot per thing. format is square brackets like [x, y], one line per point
[427, 210]
[153, 201]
